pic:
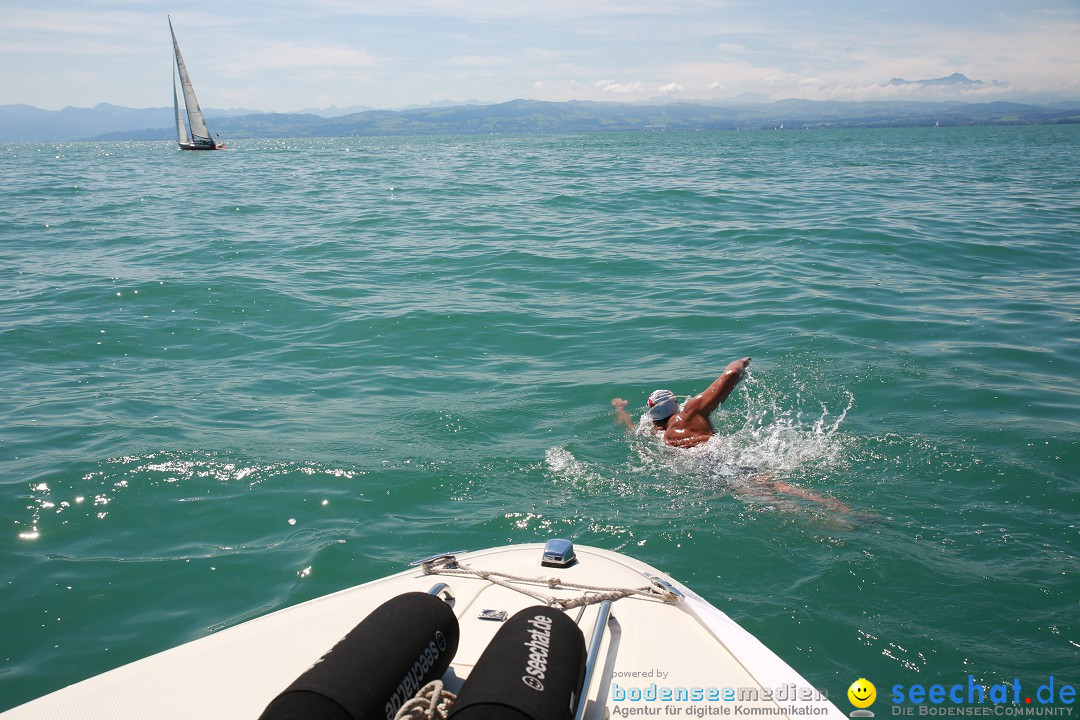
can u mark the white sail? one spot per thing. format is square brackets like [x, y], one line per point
[182, 135]
[200, 134]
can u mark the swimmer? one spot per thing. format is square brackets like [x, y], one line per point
[688, 425]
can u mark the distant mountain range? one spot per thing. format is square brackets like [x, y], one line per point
[23, 123]
[956, 80]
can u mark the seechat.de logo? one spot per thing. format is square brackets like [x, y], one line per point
[862, 694]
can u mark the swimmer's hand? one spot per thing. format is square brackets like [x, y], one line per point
[621, 415]
[737, 367]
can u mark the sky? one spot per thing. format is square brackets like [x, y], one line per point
[287, 56]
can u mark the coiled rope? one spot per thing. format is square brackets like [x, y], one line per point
[592, 594]
[431, 702]
[434, 701]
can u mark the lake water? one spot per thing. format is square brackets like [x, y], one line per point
[234, 381]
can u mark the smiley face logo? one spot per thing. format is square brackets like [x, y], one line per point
[862, 693]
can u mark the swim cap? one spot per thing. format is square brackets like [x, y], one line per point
[662, 404]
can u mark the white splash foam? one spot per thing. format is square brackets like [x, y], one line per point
[781, 430]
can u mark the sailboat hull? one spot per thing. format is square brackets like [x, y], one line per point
[191, 146]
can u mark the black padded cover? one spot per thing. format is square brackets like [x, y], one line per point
[532, 670]
[401, 646]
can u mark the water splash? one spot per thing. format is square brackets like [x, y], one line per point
[562, 463]
[782, 434]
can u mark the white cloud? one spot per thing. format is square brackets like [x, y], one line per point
[286, 56]
[406, 52]
[730, 48]
[478, 60]
[552, 12]
[610, 86]
[79, 23]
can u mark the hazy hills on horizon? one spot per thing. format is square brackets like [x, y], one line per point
[24, 123]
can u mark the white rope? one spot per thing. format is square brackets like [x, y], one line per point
[450, 566]
[431, 702]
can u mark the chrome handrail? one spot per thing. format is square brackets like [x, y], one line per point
[590, 662]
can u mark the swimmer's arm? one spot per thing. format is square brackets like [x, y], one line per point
[621, 415]
[685, 441]
[708, 401]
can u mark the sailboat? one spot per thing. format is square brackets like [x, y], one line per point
[198, 138]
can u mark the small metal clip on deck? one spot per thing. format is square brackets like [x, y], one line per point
[662, 583]
[449, 557]
[444, 592]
